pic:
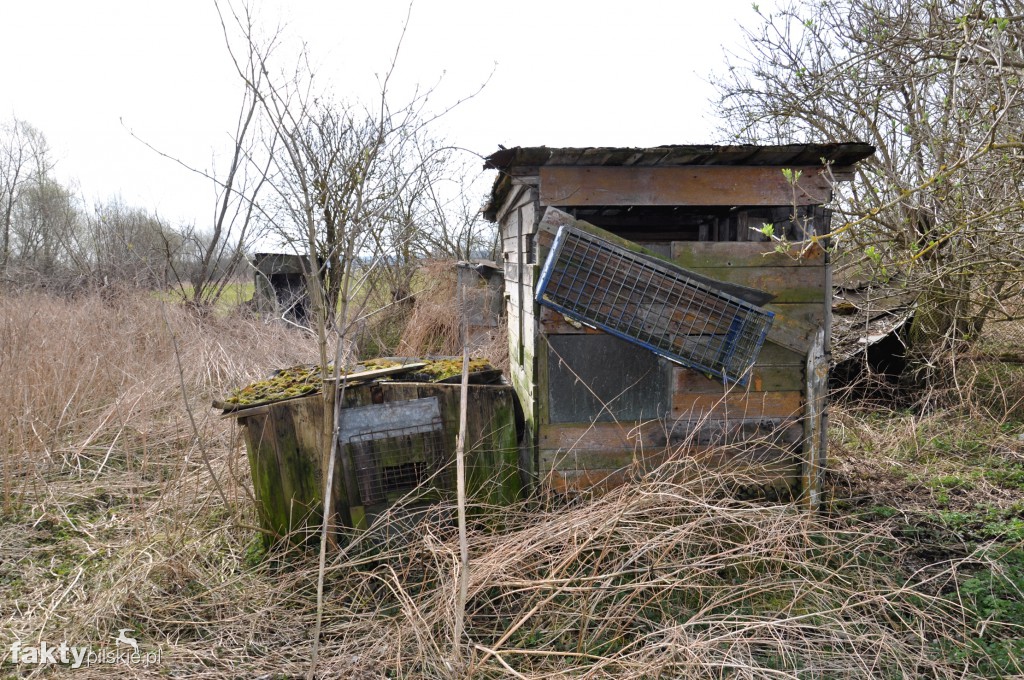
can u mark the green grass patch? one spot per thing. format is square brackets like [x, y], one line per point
[995, 596]
[235, 294]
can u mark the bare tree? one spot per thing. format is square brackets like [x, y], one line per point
[346, 177]
[455, 225]
[351, 180]
[131, 246]
[214, 252]
[16, 139]
[37, 211]
[936, 87]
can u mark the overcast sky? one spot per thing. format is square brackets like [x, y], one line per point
[565, 73]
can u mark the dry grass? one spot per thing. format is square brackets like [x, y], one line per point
[433, 326]
[108, 509]
[111, 522]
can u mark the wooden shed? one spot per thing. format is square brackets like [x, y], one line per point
[280, 285]
[595, 404]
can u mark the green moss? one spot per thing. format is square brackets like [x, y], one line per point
[304, 380]
[287, 383]
[377, 364]
[443, 369]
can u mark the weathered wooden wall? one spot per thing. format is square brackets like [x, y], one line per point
[517, 221]
[284, 443]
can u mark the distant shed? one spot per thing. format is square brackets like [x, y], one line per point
[280, 285]
[594, 403]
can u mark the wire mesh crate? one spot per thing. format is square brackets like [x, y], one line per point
[395, 448]
[654, 305]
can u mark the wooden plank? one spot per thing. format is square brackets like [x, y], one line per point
[531, 274]
[682, 185]
[260, 444]
[529, 330]
[738, 405]
[512, 294]
[823, 221]
[510, 248]
[655, 435]
[786, 284]
[295, 428]
[827, 307]
[692, 255]
[762, 379]
[512, 202]
[366, 376]
[781, 474]
[775, 355]
[231, 412]
[795, 324]
[545, 238]
[542, 357]
[528, 217]
[798, 333]
[617, 459]
[742, 226]
[522, 379]
[299, 467]
[792, 330]
[511, 271]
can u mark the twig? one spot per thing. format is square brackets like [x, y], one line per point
[496, 655]
[328, 489]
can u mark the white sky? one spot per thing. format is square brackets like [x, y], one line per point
[566, 73]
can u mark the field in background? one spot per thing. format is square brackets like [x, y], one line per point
[236, 293]
[111, 521]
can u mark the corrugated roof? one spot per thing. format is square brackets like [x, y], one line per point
[526, 161]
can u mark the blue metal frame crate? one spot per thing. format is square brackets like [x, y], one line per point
[654, 305]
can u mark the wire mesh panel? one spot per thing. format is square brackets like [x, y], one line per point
[394, 448]
[653, 305]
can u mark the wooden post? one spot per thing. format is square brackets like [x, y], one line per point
[460, 471]
[815, 438]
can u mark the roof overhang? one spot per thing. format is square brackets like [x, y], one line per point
[524, 164]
